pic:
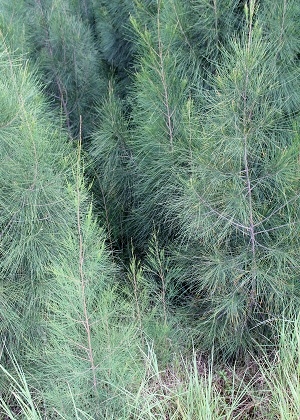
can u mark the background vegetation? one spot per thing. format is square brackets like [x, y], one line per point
[149, 209]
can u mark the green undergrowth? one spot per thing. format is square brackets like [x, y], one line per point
[189, 387]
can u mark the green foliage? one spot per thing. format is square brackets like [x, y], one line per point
[34, 214]
[112, 19]
[68, 59]
[174, 60]
[61, 316]
[159, 94]
[84, 9]
[200, 28]
[60, 39]
[281, 372]
[239, 205]
[20, 395]
[155, 293]
[115, 36]
[88, 351]
[195, 137]
[279, 22]
[12, 16]
[112, 171]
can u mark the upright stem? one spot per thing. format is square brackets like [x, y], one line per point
[163, 284]
[58, 82]
[86, 321]
[246, 121]
[163, 79]
[135, 273]
[251, 221]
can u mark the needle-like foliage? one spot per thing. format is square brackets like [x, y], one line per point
[196, 138]
[201, 27]
[112, 169]
[88, 349]
[60, 313]
[115, 37]
[34, 213]
[60, 39]
[177, 52]
[239, 206]
[279, 21]
[159, 94]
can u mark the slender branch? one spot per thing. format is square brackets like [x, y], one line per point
[280, 41]
[60, 86]
[86, 321]
[181, 28]
[277, 227]
[239, 226]
[135, 272]
[250, 24]
[169, 113]
[216, 21]
[297, 197]
[164, 286]
[109, 229]
[246, 120]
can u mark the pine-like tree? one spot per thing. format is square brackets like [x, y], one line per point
[239, 204]
[34, 213]
[90, 347]
[178, 51]
[202, 147]
[201, 27]
[61, 315]
[158, 96]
